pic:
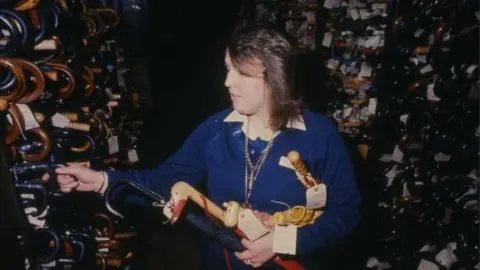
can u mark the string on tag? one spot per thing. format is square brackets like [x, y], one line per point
[18, 123]
[163, 204]
[282, 203]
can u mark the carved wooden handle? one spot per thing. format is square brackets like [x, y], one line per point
[20, 86]
[26, 5]
[297, 163]
[39, 80]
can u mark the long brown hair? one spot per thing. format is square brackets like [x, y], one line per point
[267, 46]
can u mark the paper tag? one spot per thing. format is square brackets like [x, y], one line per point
[354, 14]
[471, 68]
[60, 121]
[372, 262]
[167, 211]
[285, 239]
[418, 32]
[113, 145]
[397, 154]
[441, 157]
[249, 224]
[328, 4]
[372, 105]
[132, 155]
[317, 196]
[28, 117]
[426, 69]
[105, 250]
[427, 265]
[446, 258]
[381, 6]
[364, 14]
[27, 196]
[365, 70]
[327, 39]
[332, 64]
[285, 162]
[431, 94]
[421, 58]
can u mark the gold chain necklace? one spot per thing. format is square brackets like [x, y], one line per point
[255, 169]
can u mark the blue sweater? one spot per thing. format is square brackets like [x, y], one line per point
[215, 152]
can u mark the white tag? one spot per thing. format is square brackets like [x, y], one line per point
[404, 118]
[109, 92]
[381, 6]
[426, 69]
[347, 112]
[249, 224]
[332, 64]
[327, 39]
[364, 14]
[418, 32]
[397, 154]
[365, 70]
[431, 94]
[372, 262]
[167, 211]
[317, 196]
[285, 162]
[372, 105]
[446, 258]
[471, 68]
[27, 196]
[391, 174]
[28, 117]
[405, 192]
[361, 42]
[105, 250]
[113, 145]
[427, 265]
[354, 14]
[60, 121]
[328, 4]
[285, 239]
[288, 26]
[421, 58]
[132, 155]
[99, 238]
[373, 42]
[441, 157]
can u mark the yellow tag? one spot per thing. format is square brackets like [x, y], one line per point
[285, 239]
[317, 196]
[250, 225]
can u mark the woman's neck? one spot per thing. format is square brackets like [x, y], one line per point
[260, 121]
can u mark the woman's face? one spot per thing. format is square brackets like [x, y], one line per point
[248, 93]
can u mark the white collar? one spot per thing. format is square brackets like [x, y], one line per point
[264, 135]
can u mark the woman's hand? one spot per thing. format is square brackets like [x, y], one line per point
[79, 178]
[261, 250]
[257, 252]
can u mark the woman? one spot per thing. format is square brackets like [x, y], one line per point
[241, 151]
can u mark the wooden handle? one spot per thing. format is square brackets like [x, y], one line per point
[26, 5]
[20, 86]
[182, 190]
[297, 163]
[38, 78]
